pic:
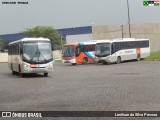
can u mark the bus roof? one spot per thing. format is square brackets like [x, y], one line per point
[104, 40]
[121, 40]
[30, 39]
[71, 44]
[84, 43]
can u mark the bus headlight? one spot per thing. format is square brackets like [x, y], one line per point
[25, 65]
[50, 66]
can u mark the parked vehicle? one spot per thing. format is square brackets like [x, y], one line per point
[82, 52]
[118, 50]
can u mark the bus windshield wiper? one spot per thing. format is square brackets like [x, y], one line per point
[43, 57]
[35, 54]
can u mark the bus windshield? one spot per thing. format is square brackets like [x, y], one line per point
[34, 52]
[102, 49]
[68, 51]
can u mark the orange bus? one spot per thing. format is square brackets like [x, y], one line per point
[82, 52]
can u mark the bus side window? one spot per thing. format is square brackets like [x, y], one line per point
[112, 48]
[77, 51]
[21, 48]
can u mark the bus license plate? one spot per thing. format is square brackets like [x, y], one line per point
[33, 65]
[67, 61]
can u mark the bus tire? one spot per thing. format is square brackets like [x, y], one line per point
[13, 72]
[22, 75]
[104, 63]
[118, 60]
[73, 63]
[20, 72]
[85, 60]
[138, 57]
[45, 74]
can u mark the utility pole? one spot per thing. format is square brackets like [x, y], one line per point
[61, 40]
[122, 30]
[129, 20]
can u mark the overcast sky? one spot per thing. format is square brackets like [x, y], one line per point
[72, 13]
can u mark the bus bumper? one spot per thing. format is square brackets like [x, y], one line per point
[102, 59]
[69, 61]
[38, 68]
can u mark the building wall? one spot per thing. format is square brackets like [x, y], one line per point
[150, 31]
[75, 31]
[78, 38]
[3, 57]
[56, 55]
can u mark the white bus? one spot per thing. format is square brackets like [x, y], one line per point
[30, 55]
[119, 50]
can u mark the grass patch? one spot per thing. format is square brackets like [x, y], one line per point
[58, 61]
[155, 56]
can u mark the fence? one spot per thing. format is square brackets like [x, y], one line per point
[3, 57]
[56, 56]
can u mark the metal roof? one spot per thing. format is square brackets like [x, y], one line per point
[12, 37]
[64, 32]
[75, 31]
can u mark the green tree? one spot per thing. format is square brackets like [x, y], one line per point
[1, 42]
[46, 32]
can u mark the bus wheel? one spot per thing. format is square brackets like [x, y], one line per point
[45, 74]
[22, 75]
[104, 63]
[73, 63]
[138, 57]
[118, 60]
[13, 72]
[12, 69]
[20, 72]
[85, 60]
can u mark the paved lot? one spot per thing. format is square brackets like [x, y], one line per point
[130, 86]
